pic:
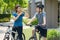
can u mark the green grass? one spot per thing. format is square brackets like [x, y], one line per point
[28, 33]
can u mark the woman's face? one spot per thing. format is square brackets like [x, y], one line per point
[18, 9]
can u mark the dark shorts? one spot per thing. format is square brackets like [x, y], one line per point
[19, 30]
[42, 29]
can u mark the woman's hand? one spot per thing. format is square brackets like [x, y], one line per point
[28, 23]
[19, 14]
[15, 18]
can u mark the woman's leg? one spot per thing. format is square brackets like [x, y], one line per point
[13, 34]
[19, 30]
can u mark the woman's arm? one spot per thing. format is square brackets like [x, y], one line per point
[15, 18]
[26, 15]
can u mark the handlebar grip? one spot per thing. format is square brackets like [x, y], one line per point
[1, 25]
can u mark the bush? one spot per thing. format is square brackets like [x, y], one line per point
[5, 17]
[35, 22]
[53, 35]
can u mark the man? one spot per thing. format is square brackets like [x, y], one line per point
[41, 26]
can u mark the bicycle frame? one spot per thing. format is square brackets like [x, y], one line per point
[9, 30]
[35, 36]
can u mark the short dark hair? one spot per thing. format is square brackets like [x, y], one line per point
[17, 7]
[40, 6]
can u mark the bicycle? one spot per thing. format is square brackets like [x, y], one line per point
[35, 36]
[8, 34]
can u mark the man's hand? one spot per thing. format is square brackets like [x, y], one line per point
[43, 24]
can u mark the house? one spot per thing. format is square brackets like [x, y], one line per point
[52, 8]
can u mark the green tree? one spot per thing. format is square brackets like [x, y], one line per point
[8, 5]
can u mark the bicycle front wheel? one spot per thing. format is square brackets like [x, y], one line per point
[23, 36]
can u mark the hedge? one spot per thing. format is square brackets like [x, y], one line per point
[5, 17]
[53, 35]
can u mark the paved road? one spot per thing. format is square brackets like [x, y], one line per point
[2, 32]
[3, 29]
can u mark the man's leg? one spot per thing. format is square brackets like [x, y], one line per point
[34, 30]
[43, 38]
[43, 33]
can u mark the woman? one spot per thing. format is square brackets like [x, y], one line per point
[18, 18]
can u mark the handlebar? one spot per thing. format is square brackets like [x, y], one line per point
[4, 25]
[29, 25]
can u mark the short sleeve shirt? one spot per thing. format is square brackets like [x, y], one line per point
[40, 16]
[18, 22]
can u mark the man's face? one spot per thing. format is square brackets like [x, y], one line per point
[38, 9]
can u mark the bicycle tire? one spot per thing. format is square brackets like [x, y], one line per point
[23, 36]
[33, 38]
[6, 39]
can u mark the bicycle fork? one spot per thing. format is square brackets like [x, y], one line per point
[35, 36]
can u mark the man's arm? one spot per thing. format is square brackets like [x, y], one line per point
[32, 19]
[44, 21]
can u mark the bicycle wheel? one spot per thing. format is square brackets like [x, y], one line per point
[23, 36]
[33, 38]
[6, 38]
